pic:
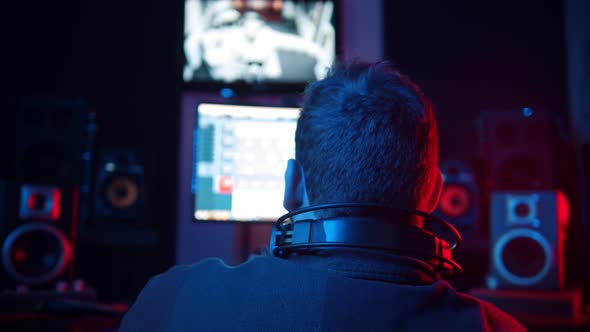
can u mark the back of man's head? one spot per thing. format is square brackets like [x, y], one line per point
[366, 134]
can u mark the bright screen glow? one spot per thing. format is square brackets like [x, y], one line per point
[281, 41]
[240, 156]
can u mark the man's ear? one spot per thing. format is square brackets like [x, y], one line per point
[295, 192]
[431, 202]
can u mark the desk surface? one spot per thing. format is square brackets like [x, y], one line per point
[18, 322]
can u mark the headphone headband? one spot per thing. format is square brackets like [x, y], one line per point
[382, 229]
[385, 211]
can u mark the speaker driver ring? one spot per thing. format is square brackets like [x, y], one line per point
[54, 262]
[121, 192]
[455, 200]
[522, 233]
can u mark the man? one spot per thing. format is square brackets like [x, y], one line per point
[366, 134]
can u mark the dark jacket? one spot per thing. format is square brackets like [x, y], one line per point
[330, 291]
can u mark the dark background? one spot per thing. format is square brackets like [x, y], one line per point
[474, 56]
[126, 57]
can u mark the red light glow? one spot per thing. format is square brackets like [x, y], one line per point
[20, 256]
[563, 209]
[56, 208]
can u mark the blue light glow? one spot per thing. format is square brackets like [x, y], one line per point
[527, 112]
[226, 93]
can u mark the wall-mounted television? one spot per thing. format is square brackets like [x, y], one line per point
[239, 158]
[258, 42]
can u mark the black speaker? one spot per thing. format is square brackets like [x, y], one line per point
[519, 148]
[120, 187]
[3, 204]
[459, 199]
[527, 234]
[47, 198]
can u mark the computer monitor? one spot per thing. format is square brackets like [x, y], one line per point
[240, 155]
[258, 41]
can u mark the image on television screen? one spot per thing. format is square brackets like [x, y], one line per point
[240, 155]
[258, 41]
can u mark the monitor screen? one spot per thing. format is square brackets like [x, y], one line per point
[258, 41]
[240, 156]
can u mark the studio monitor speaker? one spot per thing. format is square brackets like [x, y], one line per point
[519, 148]
[527, 235]
[120, 187]
[458, 202]
[47, 198]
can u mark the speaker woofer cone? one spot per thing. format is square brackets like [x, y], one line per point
[121, 192]
[523, 257]
[36, 253]
[455, 201]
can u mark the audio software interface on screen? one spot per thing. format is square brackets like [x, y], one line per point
[240, 157]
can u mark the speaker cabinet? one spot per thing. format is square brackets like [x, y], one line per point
[47, 198]
[120, 187]
[459, 200]
[519, 148]
[527, 234]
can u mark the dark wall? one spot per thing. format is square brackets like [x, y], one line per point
[473, 56]
[124, 57]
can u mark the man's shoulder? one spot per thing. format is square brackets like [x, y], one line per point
[465, 308]
[216, 269]
[179, 273]
[161, 296]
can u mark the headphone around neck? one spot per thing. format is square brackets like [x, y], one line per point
[378, 227]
